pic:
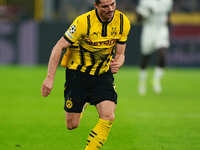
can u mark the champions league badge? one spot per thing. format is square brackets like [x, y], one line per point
[72, 29]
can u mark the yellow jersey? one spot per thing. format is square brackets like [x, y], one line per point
[93, 41]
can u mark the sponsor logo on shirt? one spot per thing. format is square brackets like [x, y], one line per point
[108, 42]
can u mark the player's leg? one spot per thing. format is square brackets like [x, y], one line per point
[74, 94]
[143, 74]
[162, 44]
[73, 107]
[147, 47]
[105, 99]
[100, 132]
[161, 63]
[159, 70]
[73, 119]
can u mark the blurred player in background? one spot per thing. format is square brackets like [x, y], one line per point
[154, 16]
[91, 41]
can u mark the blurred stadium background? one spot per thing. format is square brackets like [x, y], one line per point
[28, 31]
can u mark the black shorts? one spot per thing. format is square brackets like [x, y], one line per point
[81, 88]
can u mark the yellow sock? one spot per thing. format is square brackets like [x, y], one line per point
[98, 135]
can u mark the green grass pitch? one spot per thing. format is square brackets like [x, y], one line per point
[169, 121]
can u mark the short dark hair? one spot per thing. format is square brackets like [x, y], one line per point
[97, 2]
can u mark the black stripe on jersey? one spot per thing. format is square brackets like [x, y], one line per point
[88, 69]
[72, 46]
[82, 59]
[104, 24]
[113, 50]
[89, 25]
[121, 42]
[121, 23]
[82, 51]
[100, 65]
[67, 39]
[104, 29]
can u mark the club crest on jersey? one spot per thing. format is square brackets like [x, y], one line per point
[72, 29]
[69, 103]
[96, 34]
[114, 31]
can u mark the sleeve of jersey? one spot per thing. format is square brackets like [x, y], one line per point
[75, 30]
[143, 8]
[126, 29]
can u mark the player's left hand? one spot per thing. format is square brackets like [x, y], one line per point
[114, 66]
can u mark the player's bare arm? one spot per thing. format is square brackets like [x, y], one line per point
[47, 85]
[119, 59]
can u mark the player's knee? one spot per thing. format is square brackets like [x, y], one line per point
[108, 116]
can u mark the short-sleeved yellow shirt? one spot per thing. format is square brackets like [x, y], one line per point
[93, 41]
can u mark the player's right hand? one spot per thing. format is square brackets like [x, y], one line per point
[47, 86]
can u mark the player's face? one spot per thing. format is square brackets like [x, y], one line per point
[106, 9]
